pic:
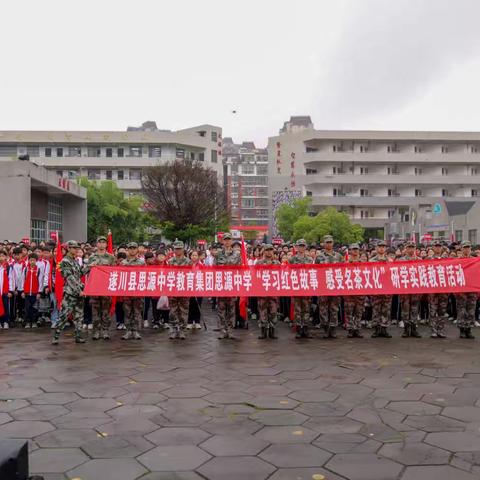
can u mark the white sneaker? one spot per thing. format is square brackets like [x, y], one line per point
[401, 324]
[198, 326]
[189, 326]
[27, 325]
[90, 326]
[477, 324]
[84, 326]
[145, 324]
[155, 326]
[6, 326]
[34, 325]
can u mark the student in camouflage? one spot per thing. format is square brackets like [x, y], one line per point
[329, 306]
[381, 303]
[101, 305]
[72, 303]
[466, 302]
[437, 302]
[178, 305]
[301, 305]
[226, 305]
[410, 304]
[132, 305]
[354, 304]
[267, 306]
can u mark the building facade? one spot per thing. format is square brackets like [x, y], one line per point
[246, 184]
[36, 202]
[393, 183]
[115, 155]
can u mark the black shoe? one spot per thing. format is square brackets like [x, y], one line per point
[384, 333]
[306, 333]
[376, 332]
[299, 333]
[331, 333]
[414, 332]
[271, 333]
[406, 331]
[351, 334]
[263, 333]
[468, 333]
[441, 335]
[462, 333]
[357, 334]
[79, 340]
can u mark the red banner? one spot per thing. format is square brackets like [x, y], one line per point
[374, 278]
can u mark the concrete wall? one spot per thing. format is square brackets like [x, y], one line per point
[74, 218]
[14, 207]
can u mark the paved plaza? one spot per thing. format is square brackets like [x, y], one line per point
[247, 409]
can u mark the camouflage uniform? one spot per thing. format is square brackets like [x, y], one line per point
[329, 306]
[267, 308]
[301, 305]
[101, 305]
[437, 309]
[132, 306]
[381, 306]
[466, 305]
[226, 305]
[72, 302]
[409, 306]
[179, 305]
[354, 306]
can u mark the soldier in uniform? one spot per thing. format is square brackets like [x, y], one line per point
[101, 305]
[267, 306]
[437, 302]
[409, 304]
[329, 306]
[354, 304]
[226, 305]
[132, 306]
[72, 303]
[178, 305]
[301, 305]
[381, 303]
[466, 302]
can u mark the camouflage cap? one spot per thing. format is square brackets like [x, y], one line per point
[382, 243]
[268, 246]
[354, 246]
[437, 243]
[227, 236]
[301, 243]
[101, 239]
[72, 244]
[178, 244]
[410, 244]
[327, 238]
[466, 243]
[132, 245]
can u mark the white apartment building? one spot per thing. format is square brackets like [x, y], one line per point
[393, 183]
[114, 155]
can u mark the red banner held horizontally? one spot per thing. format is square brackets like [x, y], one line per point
[374, 278]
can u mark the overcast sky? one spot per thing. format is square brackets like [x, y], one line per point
[364, 64]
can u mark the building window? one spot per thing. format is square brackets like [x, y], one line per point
[444, 192]
[363, 149]
[473, 171]
[109, 152]
[48, 152]
[364, 214]
[94, 151]
[363, 170]
[262, 169]
[474, 149]
[55, 215]
[248, 202]
[180, 153]
[459, 235]
[472, 236]
[308, 193]
[202, 133]
[444, 149]
[474, 192]
[60, 173]
[135, 174]
[38, 231]
[108, 174]
[417, 149]
[444, 171]
[214, 136]
[59, 152]
[248, 168]
[94, 174]
[72, 174]
[120, 175]
[418, 192]
[363, 192]
[338, 170]
[214, 157]
[120, 152]
[392, 148]
[311, 171]
[336, 192]
[201, 156]
[392, 192]
[391, 213]
[418, 171]
[75, 152]
[155, 151]
[135, 151]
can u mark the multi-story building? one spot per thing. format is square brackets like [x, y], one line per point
[393, 183]
[245, 180]
[118, 156]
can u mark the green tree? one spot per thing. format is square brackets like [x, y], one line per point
[108, 209]
[288, 214]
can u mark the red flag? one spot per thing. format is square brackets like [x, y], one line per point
[110, 250]
[58, 275]
[243, 300]
[292, 307]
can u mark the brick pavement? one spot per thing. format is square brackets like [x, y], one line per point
[202, 409]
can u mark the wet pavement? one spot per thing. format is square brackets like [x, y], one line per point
[156, 409]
